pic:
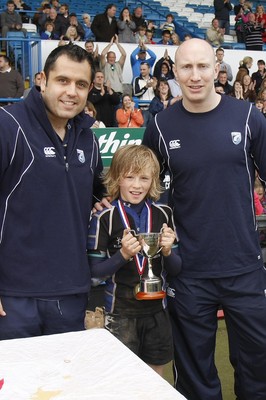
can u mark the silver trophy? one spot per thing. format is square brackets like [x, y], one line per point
[150, 286]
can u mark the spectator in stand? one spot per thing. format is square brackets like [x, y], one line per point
[49, 32]
[241, 19]
[96, 58]
[223, 82]
[262, 94]
[149, 36]
[51, 16]
[38, 16]
[238, 90]
[219, 89]
[11, 82]
[163, 97]
[222, 10]
[168, 25]
[175, 39]
[126, 27]
[104, 26]
[166, 38]
[187, 36]
[10, 21]
[253, 33]
[73, 21]
[21, 6]
[138, 56]
[261, 19]
[63, 17]
[140, 36]
[144, 88]
[128, 116]
[72, 34]
[91, 111]
[138, 18]
[86, 25]
[55, 4]
[36, 83]
[258, 76]
[249, 92]
[244, 67]
[164, 67]
[223, 66]
[215, 34]
[112, 69]
[259, 103]
[104, 99]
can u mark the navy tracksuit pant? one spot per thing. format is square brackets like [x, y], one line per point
[193, 305]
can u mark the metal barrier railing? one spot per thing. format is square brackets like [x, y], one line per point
[25, 55]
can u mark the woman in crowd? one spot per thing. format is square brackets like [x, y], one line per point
[249, 92]
[126, 27]
[175, 39]
[163, 97]
[72, 34]
[90, 110]
[238, 90]
[128, 116]
[244, 67]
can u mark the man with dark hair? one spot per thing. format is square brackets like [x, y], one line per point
[49, 172]
[96, 57]
[259, 75]
[104, 26]
[104, 99]
[166, 38]
[11, 82]
[222, 10]
[10, 21]
[223, 81]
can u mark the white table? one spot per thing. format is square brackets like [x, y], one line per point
[90, 364]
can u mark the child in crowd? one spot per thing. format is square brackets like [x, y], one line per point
[133, 184]
[91, 111]
[140, 36]
[259, 104]
[168, 25]
[48, 33]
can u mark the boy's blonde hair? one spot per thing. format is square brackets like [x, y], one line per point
[132, 159]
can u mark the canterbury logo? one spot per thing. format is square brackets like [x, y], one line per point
[49, 152]
[174, 144]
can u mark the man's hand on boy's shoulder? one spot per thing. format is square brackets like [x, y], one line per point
[100, 205]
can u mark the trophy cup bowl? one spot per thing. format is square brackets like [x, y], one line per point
[150, 286]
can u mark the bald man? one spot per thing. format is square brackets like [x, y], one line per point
[211, 146]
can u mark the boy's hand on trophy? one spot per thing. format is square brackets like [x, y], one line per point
[130, 245]
[168, 237]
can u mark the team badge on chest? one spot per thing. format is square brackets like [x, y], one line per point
[236, 137]
[81, 156]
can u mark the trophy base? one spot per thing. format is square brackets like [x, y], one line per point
[150, 295]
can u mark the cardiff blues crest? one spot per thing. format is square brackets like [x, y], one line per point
[81, 156]
[236, 137]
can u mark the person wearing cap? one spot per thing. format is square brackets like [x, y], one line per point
[138, 56]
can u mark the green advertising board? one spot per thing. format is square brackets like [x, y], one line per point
[110, 139]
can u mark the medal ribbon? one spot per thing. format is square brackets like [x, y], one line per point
[139, 260]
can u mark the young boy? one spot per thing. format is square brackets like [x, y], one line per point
[133, 184]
